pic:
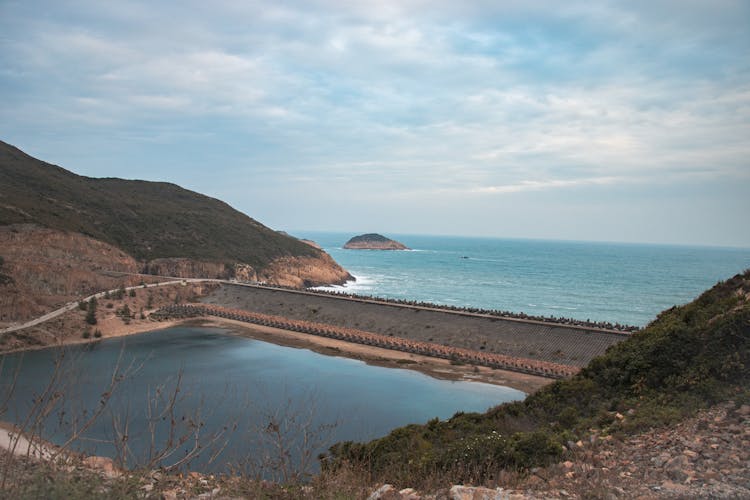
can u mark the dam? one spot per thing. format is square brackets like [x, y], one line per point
[568, 345]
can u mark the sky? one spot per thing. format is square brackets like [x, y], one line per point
[602, 121]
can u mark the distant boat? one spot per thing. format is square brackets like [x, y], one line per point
[464, 257]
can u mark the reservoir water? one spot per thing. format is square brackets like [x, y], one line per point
[255, 388]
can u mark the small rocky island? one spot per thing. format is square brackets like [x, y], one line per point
[374, 241]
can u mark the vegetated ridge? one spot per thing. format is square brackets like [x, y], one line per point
[373, 241]
[688, 358]
[148, 220]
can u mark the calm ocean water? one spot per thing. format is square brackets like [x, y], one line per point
[619, 283]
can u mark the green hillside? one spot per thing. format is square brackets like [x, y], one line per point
[146, 219]
[688, 358]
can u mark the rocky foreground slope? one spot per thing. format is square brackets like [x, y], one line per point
[690, 358]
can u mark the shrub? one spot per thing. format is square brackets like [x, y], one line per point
[91, 314]
[690, 357]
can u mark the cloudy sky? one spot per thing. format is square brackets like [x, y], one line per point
[608, 121]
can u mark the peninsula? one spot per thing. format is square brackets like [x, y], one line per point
[373, 241]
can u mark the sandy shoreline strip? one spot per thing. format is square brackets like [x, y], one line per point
[435, 367]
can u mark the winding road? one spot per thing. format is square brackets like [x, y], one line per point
[72, 305]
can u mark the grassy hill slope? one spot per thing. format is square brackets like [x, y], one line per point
[148, 220]
[690, 357]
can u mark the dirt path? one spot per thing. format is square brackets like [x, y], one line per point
[11, 440]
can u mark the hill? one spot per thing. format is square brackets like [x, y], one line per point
[690, 358]
[148, 220]
[373, 241]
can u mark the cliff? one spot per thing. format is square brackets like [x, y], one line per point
[303, 272]
[372, 241]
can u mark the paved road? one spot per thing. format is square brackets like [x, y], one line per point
[72, 305]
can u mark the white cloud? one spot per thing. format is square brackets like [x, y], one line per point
[389, 98]
[540, 185]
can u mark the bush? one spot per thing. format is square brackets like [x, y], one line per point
[91, 314]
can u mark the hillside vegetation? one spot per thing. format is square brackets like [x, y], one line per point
[148, 220]
[689, 358]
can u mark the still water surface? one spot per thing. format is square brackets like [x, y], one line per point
[225, 379]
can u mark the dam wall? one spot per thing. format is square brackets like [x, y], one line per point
[560, 344]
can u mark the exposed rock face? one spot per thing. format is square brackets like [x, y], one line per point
[374, 241]
[187, 268]
[245, 272]
[49, 267]
[312, 244]
[303, 272]
[295, 272]
[44, 268]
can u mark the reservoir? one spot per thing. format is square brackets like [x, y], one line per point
[246, 405]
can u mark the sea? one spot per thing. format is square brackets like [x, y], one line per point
[620, 283]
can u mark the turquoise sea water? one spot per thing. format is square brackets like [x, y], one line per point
[618, 283]
[228, 380]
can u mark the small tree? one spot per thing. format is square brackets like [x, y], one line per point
[125, 311]
[91, 314]
[132, 292]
